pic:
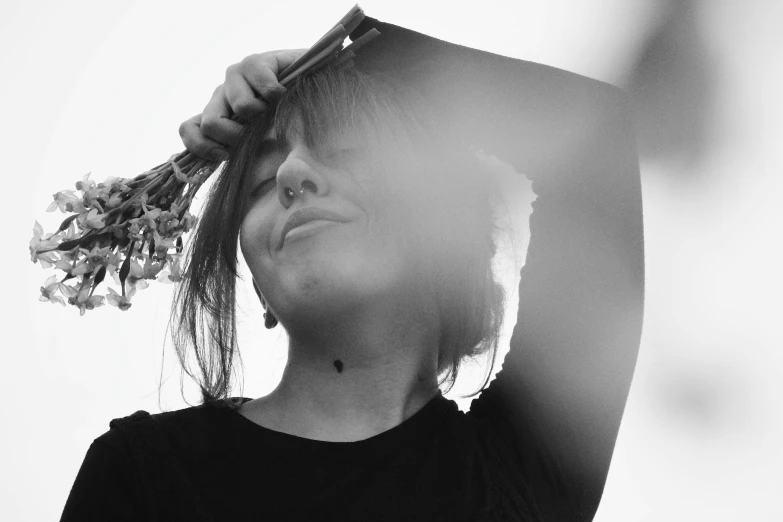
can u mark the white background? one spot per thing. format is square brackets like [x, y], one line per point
[103, 86]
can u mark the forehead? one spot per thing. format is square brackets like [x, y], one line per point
[320, 137]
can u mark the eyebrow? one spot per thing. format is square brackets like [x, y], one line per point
[271, 145]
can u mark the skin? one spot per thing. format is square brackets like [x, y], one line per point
[344, 292]
[246, 92]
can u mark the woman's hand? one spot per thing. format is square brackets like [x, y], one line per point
[249, 87]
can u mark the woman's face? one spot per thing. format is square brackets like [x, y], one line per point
[324, 231]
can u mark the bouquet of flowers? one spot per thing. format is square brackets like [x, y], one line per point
[132, 229]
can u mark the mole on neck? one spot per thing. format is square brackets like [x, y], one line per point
[339, 365]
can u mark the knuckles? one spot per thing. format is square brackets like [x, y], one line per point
[210, 127]
[188, 131]
[247, 106]
[232, 69]
[262, 68]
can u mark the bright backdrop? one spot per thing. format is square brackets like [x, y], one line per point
[103, 86]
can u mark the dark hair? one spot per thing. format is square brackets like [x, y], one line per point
[469, 299]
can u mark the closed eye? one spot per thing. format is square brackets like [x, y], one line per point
[263, 187]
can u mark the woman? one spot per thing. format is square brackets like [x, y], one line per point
[368, 230]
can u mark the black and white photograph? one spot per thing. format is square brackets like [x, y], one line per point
[393, 261]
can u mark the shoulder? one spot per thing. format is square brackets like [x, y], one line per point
[144, 463]
[193, 426]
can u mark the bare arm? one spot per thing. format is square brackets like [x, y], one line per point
[564, 384]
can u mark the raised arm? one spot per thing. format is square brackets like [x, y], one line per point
[563, 386]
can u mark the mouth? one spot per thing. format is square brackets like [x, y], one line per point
[314, 215]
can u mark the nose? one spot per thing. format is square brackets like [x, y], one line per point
[296, 176]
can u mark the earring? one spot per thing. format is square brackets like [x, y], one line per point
[270, 321]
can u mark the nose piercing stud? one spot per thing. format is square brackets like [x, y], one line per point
[290, 193]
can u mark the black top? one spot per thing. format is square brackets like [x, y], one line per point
[537, 444]
[209, 462]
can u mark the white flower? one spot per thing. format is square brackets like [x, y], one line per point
[86, 184]
[84, 301]
[66, 201]
[91, 220]
[135, 277]
[41, 247]
[121, 302]
[48, 290]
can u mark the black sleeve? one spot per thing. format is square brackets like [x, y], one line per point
[563, 386]
[104, 488]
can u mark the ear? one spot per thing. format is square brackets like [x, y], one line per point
[258, 293]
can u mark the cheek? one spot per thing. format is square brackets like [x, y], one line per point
[254, 239]
[400, 210]
[417, 212]
[388, 201]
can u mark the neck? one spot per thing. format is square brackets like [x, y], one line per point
[356, 376]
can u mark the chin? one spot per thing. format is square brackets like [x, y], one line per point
[333, 273]
[318, 289]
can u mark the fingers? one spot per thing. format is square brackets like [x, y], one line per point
[259, 73]
[240, 96]
[250, 86]
[286, 57]
[216, 123]
[199, 144]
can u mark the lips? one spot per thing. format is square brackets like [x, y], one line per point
[306, 215]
